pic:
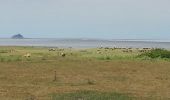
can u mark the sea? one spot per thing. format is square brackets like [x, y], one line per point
[87, 43]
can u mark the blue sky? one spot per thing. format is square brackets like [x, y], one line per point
[113, 19]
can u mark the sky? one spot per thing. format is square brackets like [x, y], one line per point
[113, 19]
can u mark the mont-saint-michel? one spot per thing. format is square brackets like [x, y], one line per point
[17, 36]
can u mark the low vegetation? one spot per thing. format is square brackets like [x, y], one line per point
[88, 74]
[89, 95]
[157, 53]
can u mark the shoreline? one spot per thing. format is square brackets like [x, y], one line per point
[78, 48]
[98, 39]
[84, 43]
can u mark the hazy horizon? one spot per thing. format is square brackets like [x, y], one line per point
[100, 19]
[27, 36]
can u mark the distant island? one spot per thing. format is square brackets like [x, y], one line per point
[17, 36]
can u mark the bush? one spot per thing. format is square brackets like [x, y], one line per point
[157, 53]
[108, 58]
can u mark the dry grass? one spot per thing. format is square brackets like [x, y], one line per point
[33, 78]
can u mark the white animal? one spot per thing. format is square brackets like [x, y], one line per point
[63, 54]
[28, 55]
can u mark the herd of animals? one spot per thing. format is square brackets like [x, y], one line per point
[99, 50]
[126, 50]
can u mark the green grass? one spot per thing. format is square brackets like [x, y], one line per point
[141, 78]
[10, 58]
[89, 95]
[157, 53]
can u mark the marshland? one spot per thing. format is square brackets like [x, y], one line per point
[43, 73]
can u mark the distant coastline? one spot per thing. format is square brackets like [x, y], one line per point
[96, 39]
[85, 43]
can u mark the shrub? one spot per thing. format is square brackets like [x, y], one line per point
[157, 53]
[108, 58]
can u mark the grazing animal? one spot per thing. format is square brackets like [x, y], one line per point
[99, 52]
[51, 49]
[131, 51]
[106, 48]
[60, 49]
[125, 50]
[28, 55]
[128, 50]
[146, 48]
[112, 49]
[12, 50]
[63, 54]
[141, 50]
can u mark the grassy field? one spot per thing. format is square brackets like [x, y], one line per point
[83, 74]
